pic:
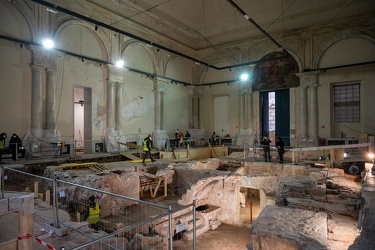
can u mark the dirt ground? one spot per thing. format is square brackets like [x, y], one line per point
[225, 237]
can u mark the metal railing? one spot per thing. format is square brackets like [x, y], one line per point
[61, 207]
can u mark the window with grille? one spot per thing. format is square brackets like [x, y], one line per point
[346, 103]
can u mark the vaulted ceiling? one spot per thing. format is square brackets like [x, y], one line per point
[189, 26]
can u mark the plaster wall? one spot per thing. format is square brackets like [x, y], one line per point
[319, 50]
[15, 88]
[361, 74]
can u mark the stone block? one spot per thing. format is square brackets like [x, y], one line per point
[288, 228]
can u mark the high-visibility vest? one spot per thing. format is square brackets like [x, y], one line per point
[2, 143]
[145, 148]
[94, 214]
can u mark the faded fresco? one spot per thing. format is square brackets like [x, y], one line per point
[276, 74]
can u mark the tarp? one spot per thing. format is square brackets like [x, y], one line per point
[42, 142]
[245, 137]
[112, 137]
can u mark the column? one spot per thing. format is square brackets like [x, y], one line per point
[314, 119]
[160, 88]
[309, 106]
[156, 108]
[303, 110]
[118, 108]
[196, 106]
[250, 117]
[110, 104]
[240, 111]
[36, 98]
[162, 109]
[50, 98]
[314, 112]
[246, 110]
[196, 111]
[115, 81]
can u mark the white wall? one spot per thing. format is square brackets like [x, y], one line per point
[322, 49]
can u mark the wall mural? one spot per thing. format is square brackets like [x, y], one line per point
[277, 74]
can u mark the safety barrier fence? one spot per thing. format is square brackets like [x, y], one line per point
[317, 154]
[61, 211]
[254, 152]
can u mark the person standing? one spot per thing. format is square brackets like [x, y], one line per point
[176, 140]
[181, 139]
[3, 137]
[93, 211]
[213, 138]
[266, 148]
[187, 138]
[147, 144]
[15, 143]
[280, 149]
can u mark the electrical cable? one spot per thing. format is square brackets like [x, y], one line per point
[282, 14]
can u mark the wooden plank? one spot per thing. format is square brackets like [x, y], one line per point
[132, 145]
[98, 168]
[130, 156]
[77, 165]
[139, 161]
[48, 197]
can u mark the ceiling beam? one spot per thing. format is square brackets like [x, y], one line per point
[109, 27]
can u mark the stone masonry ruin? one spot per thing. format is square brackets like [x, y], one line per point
[299, 206]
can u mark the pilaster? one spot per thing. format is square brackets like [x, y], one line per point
[309, 107]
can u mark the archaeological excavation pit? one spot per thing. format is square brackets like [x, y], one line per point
[246, 198]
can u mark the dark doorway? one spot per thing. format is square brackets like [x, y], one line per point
[282, 115]
[275, 115]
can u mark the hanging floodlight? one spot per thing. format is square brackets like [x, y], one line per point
[244, 76]
[48, 43]
[120, 63]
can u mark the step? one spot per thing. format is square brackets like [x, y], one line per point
[188, 235]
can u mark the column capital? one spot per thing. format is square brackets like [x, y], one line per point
[51, 70]
[308, 79]
[160, 86]
[115, 75]
[45, 58]
[199, 90]
[37, 67]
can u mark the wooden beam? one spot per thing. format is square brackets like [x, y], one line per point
[36, 189]
[48, 197]
[25, 231]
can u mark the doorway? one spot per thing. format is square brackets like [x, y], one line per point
[249, 205]
[275, 115]
[82, 120]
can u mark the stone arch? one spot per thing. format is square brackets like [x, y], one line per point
[234, 72]
[336, 40]
[291, 52]
[179, 62]
[148, 51]
[26, 13]
[89, 29]
[100, 34]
